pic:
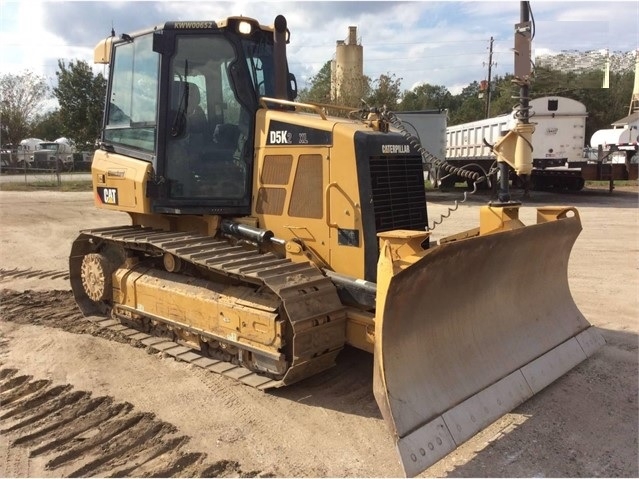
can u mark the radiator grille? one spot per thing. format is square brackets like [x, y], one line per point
[399, 199]
[308, 195]
[270, 201]
[277, 169]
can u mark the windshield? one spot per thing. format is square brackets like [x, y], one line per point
[49, 146]
[207, 124]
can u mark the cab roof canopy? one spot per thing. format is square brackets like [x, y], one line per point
[242, 25]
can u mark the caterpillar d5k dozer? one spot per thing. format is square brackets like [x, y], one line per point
[266, 236]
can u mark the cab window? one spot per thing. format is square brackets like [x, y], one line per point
[207, 127]
[132, 102]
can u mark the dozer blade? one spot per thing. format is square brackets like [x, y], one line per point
[471, 330]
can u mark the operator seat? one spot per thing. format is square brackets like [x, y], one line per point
[195, 113]
[194, 118]
[226, 135]
[187, 140]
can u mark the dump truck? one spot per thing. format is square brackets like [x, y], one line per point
[558, 144]
[269, 236]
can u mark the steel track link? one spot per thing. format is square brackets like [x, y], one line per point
[112, 329]
[308, 297]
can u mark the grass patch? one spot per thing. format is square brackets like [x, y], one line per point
[65, 186]
[605, 183]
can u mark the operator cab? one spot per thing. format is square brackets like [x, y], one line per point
[184, 96]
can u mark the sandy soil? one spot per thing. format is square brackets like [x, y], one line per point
[75, 401]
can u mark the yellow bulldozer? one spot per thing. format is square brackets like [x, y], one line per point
[268, 235]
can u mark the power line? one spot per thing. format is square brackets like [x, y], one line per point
[367, 44]
[393, 59]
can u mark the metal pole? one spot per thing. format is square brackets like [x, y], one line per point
[490, 64]
[522, 71]
[524, 100]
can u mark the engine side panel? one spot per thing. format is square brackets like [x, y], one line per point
[302, 191]
[306, 188]
[119, 182]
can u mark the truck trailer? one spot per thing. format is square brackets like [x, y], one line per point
[558, 144]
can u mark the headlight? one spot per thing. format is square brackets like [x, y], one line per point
[244, 28]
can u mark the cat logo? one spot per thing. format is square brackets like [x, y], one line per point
[109, 196]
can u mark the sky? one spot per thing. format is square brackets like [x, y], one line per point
[437, 42]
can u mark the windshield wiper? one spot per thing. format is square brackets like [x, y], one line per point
[179, 122]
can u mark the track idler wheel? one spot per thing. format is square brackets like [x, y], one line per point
[96, 277]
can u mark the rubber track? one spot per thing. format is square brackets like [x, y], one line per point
[306, 293]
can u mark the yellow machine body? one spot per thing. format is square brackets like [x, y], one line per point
[333, 249]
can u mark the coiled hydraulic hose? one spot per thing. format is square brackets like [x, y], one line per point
[432, 161]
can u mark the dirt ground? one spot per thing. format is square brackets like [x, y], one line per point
[76, 401]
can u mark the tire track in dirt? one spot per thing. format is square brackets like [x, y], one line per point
[29, 273]
[54, 309]
[78, 435]
[349, 383]
[346, 388]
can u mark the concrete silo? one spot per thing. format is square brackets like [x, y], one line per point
[347, 70]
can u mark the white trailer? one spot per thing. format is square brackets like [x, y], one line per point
[558, 140]
[615, 136]
[429, 127]
[467, 140]
[619, 146]
[560, 131]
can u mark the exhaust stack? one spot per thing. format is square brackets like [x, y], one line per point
[281, 69]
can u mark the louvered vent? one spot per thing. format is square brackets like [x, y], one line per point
[399, 199]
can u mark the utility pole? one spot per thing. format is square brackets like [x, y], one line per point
[515, 148]
[488, 90]
[606, 80]
[634, 100]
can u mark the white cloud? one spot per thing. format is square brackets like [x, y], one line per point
[442, 43]
[25, 43]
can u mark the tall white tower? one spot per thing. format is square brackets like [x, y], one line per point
[347, 70]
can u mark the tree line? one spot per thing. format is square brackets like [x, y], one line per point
[604, 105]
[80, 95]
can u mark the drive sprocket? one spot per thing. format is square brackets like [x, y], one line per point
[95, 273]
